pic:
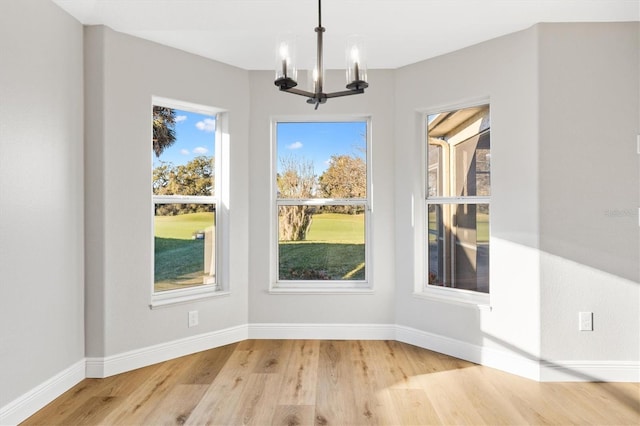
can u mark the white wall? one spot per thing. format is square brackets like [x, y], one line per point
[502, 71]
[41, 195]
[268, 102]
[589, 190]
[122, 73]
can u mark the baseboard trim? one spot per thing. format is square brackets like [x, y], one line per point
[490, 357]
[323, 331]
[28, 404]
[590, 371]
[127, 361]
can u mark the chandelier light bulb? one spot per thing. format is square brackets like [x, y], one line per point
[286, 71]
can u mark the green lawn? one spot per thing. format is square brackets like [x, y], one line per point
[179, 259]
[182, 226]
[333, 250]
[482, 228]
[337, 228]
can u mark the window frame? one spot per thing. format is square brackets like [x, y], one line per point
[219, 200]
[422, 287]
[320, 286]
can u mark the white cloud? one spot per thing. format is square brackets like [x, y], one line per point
[200, 150]
[184, 151]
[207, 125]
[295, 145]
[180, 118]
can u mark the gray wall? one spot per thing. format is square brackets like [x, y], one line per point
[565, 190]
[268, 102]
[41, 195]
[589, 190]
[502, 71]
[122, 73]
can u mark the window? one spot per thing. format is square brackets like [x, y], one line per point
[185, 199]
[458, 199]
[322, 193]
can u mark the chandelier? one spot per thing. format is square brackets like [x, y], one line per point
[286, 71]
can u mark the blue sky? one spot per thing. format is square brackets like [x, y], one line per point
[314, 141]
[318, 141]
[195, 135]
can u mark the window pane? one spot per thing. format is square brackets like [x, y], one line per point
[471, 165]
[321, 243]
[183, 152]
[458, 246]
[184, 245]
[436, 171]
[322, 159]
[459, 156]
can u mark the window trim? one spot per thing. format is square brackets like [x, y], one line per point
[220, 200]
[422, 289]
[314, 286]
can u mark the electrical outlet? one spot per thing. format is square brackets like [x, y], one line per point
[193, 318]
[585, 321]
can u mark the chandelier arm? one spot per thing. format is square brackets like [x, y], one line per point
[299, 92]
[344, 93]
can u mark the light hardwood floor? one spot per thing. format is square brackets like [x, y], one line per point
[312, 382]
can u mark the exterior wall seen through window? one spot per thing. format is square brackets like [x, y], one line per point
[458, 199]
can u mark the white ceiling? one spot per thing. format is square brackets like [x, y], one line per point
[397, 32]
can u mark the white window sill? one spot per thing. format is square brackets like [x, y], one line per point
[465, 298]
[176, 297]
[299, 288]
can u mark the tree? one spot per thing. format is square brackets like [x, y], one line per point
[296, 180]
[194, 178]
[164, 123]
[346, 177]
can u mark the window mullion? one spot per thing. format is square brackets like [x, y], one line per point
[458, 200]
[184, 199]
[321, 201]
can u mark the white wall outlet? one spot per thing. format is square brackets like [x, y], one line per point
[193, 318]
[585, 321]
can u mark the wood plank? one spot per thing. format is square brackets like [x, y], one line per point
[93, 411]
[55, 412]
[274, 355]
[177, 405]
[300, 377]
[412, 407]
[207, 365]
[365, 384]
[257, 404]
[446, 394]
[391, 365]
[527, 397]
[485, 399]
[225, 393]
[335, 398]
[293, 415]
[139, 403]
[624, 396]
